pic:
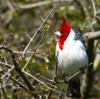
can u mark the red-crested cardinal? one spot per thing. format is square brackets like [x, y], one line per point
[72, 55]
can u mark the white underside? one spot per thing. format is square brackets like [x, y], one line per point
[73, 56]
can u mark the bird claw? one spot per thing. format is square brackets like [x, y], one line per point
[66, 80]
[82, 70]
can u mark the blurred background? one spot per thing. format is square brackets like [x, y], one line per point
[20, 20]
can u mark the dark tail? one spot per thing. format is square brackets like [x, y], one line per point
[74, 89]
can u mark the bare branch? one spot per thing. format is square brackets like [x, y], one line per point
[42, 83]
[31, 53]
[7, 72]
[7, 65]
[6, 80]
[40, 41]
[42, 3]
[33, 37]
[89, 75]
[93, 35]
[55, 77]
[7, 39]
[28, 36]
[94, 8]
[44, 78]
[83, 69]
[21, 85]
[18, 69]
[27, 62]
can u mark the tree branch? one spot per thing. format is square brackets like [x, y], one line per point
[37, 4]
[18, 69]
[89, 76]
[93, 35]
[33, 37]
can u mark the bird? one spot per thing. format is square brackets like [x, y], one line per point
[71, 53]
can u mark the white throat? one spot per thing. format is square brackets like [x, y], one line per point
[69, 42]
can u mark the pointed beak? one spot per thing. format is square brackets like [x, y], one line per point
[57, 33]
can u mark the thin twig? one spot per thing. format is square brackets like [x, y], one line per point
[37, 4]
[30, 53]
[16, 81]
[94, 8]
[55, 77]
[93, 35]
[5, 60]
[6, 80]
[4, 43]
[7, 72]
[68, 79]
[42, 83]
[28, 36]
[38, 75]
[3, 93]
[27, 62]
[89, 75]
[18, 69]
[21, 85]
[33, 37]
[98, 12]
[7, 65]
[97, 81]
[40, 41]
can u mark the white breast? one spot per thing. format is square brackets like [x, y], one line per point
[73, 56]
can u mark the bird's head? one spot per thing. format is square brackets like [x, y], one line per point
[63, 33]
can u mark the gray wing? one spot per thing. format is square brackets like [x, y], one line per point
[78, 36]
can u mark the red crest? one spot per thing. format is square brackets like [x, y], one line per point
[64, 30]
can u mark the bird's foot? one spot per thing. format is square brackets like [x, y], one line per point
[66, 80]
[82, 70]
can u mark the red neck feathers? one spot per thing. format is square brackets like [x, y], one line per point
[64, 30]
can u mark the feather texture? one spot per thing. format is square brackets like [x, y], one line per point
[72, 56]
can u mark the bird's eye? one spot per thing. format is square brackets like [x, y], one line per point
[63, 33]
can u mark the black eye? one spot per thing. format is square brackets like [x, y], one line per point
[63, 33]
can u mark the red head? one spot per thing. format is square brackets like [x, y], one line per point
[64, 31]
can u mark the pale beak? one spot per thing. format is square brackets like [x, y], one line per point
[57, 33]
